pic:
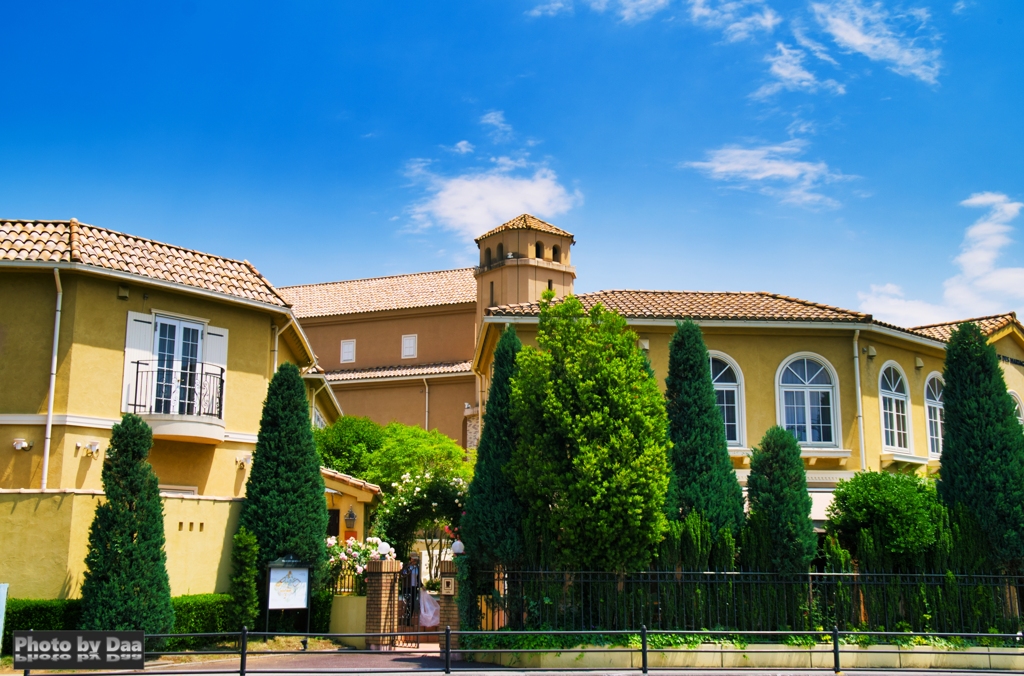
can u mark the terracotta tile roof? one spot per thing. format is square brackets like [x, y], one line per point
[422, 289]
[706, 305]
[401, 371]
[988, 326]
[350, 480]
[74, 242]
[526, 222]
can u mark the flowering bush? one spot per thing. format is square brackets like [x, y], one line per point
[347, 562]
[427, 506]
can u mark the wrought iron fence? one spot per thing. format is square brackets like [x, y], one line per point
[181, 388]
[673, 600]
[348, 582]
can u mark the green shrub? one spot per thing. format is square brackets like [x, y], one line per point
[195, 614]
[901, 512]
[320, 621]
[40, 615]
[245, 602]
[199, 614]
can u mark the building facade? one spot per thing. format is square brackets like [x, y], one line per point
[95, 324]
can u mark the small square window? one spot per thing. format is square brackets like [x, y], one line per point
[348, 351]
[409, 347]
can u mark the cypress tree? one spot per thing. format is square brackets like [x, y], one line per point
[125, 585]
[779, 531]
[703, 477]
[245, 602]
[284, 498]
[983, 446]
[492, 527]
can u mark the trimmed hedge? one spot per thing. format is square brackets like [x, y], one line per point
[195, 614]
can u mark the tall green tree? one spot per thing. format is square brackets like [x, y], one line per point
[125, 585]
[703, 478]
[779, 536]
[492, 527]
[983, 445]
[284, 497]
[591, 460]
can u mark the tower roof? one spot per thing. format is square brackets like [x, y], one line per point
[527, 222]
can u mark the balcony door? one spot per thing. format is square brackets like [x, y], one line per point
[178, 352]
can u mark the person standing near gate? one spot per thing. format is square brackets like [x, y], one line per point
[414, 582]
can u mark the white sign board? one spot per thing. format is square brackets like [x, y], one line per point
[288, 588]
[3, 606]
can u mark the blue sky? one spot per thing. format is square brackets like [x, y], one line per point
[861, 154]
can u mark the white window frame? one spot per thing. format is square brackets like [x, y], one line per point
[351, 342]
[178, 491]
[907, 413]
[780, 400]
[940, 406]
[319, 421]
[415, 346]
[1019, 405]
[738, 387]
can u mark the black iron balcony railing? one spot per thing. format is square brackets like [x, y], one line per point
[180, 389]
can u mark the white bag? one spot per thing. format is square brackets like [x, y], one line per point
[430, 610]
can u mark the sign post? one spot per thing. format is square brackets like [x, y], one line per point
[288, 587]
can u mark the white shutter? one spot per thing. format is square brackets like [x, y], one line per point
[138, 346]
[215, 349]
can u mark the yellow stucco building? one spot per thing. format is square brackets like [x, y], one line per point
[95, 324]
[858, 393]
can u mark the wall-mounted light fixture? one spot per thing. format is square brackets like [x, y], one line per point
[918, 363]
[22, 445]
[350, 518]
[872, 352]
[243, 461]
[92, 449]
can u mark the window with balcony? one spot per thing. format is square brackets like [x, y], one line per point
[173, 366]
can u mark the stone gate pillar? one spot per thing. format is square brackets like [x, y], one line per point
[448, 601]
[382, 603]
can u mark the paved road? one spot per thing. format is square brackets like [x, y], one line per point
[419, 662]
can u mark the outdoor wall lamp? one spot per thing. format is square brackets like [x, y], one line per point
[458, 547]
[92, 449]
[350, 518]
[22, 445]
[243, 461]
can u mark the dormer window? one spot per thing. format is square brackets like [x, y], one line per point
[556, 254]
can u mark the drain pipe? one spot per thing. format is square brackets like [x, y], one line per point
[860, 404]
[426, 400]
[53, 380]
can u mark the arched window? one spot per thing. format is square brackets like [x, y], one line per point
[728, 395]
[501, 251]
[934, 409]
[538, 249]
[895, 404]
[1018, 408]
[556, 254]
[808, 394]
[487, 256]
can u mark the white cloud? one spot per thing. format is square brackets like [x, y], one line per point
[551, 8]
[787, 67]
[814, 47]
[471, 203]
[462, 148]
[980, 288]
[501, 130]
[738, 19]
[638, 10]
[870, 29]
[961, 6]
[772, 170]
